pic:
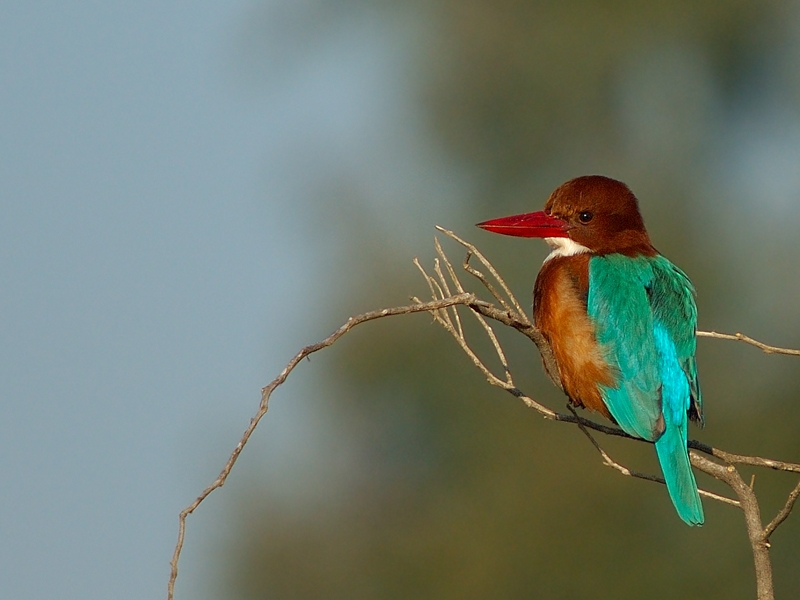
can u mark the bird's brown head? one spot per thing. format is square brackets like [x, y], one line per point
[591, 213]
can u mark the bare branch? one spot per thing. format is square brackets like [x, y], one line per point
[738, 459]
[445, 292]
[740, 337]
[450, 270]
[718, 498]
[488, 285]
[752, 516]
[453, 277]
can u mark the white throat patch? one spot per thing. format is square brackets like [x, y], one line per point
[563, 246]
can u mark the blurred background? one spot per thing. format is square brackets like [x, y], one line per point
[191, 193]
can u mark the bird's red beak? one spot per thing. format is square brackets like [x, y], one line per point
[536, 224]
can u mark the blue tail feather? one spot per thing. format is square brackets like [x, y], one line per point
[681, 485]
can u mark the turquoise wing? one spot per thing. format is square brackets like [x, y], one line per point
[645, 319]
[672, 299]
[675, 316]
[619, 305]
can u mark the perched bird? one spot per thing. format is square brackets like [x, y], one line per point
[620, 320]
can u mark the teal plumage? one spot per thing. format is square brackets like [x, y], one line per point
[645, 318]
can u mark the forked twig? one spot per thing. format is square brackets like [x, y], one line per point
[784, 512]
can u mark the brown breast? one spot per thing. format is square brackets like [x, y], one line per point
[559, 311]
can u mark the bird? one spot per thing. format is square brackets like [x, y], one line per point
[620, 319]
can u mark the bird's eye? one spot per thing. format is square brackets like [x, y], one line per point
[585, 216]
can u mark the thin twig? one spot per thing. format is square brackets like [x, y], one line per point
[436, 314]
[739, 459]
[718, 497]
[607, 460]
[445, 292]
[488, 285]
[783, 514]
[443, 279]
[610, 462]
[740, 337]
[487, 264]
[450, 270]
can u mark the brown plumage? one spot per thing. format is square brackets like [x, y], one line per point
[559, 312]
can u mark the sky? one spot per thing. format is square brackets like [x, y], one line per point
[162, 257]
[154, 261]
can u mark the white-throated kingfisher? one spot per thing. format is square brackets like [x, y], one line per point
[620, 320]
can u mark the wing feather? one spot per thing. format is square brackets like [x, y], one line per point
[672, 299]
[619, 306]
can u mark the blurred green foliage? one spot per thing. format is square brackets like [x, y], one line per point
[461, 492]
